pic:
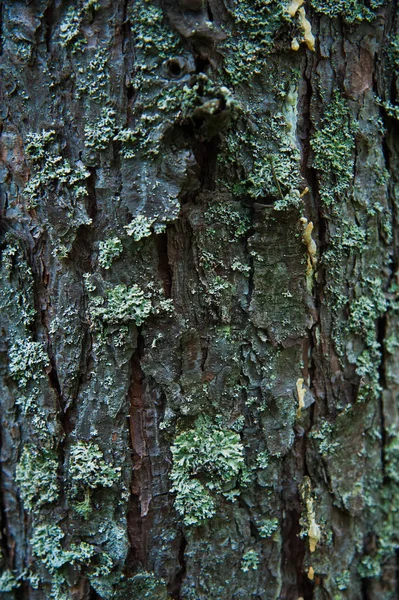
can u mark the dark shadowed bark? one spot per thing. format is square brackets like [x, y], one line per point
[199, 299]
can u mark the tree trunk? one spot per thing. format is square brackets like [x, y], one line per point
[199, 312]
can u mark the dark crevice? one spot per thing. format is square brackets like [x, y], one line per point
[136, 524]
[91, 194]
[381, 334]
[206, 154]
[174, 587]
[93, 595]
[209, 11]
[4, 545]
[202, 65]
[250, 259]
[363, 590]
[164, 267]
[1, 27]
[204, 353]
[293, 554]
[48, 20]
[397, 573]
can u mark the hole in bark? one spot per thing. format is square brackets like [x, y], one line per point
[201, 64]
[176, 67]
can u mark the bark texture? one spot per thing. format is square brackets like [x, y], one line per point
[199, 299]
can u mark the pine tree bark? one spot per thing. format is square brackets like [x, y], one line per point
[199, 314]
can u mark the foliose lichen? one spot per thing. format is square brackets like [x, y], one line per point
[121, 304]
[36, 476]
[351, 10]
[109, 250]
[333, 145]
[214, 455]
[27, 361]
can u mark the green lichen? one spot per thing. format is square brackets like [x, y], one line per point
[88, 469]
[333, 145]
[92, 80]
[48, 547]
[87, 472]
[151, 37]
[109, 251]
[290, 201]
[16, 287]
[250, 561]
[71, 25]
[364, 312]
[139, 227]
[259, 157]
[36, 476]
[226, 214]
[325, 437]
[212, 454]
[255, 25]
[343, 580]
[27, 361]
[99, 134]
[8, 581]
[143, 585]
[51, 170]
[267, 527]
[193, 502]
[122, 304]
[351, 10]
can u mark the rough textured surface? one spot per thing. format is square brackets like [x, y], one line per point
[199, 314]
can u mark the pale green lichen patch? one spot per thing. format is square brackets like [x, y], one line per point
[351, 10]
[259, 157]
[144, 586]
[333, 145]
[109, 251]
[250, 561]
[48, 547]
[93, 79]
[51, 170]
[99, 134]
[121, 305]
[27, 361]
[204, 454]
[256, 24]
[139, 227]
[71, 25]
[87, 467]
[8, 581]
[88, 471]
[16, 300]
[267, 527]
[36, 476]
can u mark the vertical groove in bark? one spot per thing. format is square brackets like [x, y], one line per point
[137, 519]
